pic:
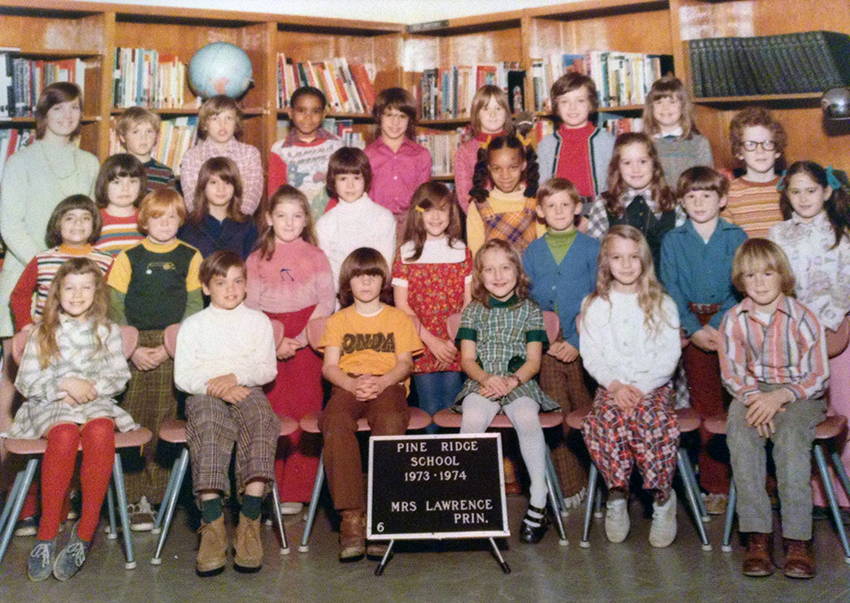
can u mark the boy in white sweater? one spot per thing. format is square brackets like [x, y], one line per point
[225, 353]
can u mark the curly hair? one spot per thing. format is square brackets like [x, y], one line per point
[617, 186]
[431, 195]
[751, 117]
[836, 206]
[479, 291]
[481, 176]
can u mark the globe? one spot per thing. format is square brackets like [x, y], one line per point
[220, 68]
[836, 103]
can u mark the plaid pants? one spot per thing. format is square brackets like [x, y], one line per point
[564, 382]
[212, 427]
[648, 437]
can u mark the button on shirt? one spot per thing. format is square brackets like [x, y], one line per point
[396, 175]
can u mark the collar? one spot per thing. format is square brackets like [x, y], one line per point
[222, 312]
[818, 221]
[408, 147]
[586, 130]
[225, 148]
[646, 193]
[160, 247]
[721, 225]
[677, 133]
[511, 301]
[321, 136]
[75, 249]
[783, 306]
[486, 138]
[562, 237]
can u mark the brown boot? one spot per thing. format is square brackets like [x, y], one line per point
[248, 557]
[352, 535]
[212, 554]
[376, 549]
[799, 559]
[757, 559]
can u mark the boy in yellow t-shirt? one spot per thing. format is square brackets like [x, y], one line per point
[369, 349]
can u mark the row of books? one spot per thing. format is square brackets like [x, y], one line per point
[22, 80]
[349, 88]
[11, 141]
[343, 128]
[448, 93]
[443, 146]
[145, 78]
[811, 61]
[176, 136]
[621, 78]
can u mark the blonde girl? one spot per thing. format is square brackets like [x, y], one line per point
[633, 359]
[73, 366]
[290, 279]
[490, 117]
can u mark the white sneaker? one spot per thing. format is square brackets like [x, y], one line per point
[142, 516]
[617, 523]
[291, 508]
[663, 530]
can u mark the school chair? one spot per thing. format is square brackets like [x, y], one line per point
[449, 419]
[34, 449]
[174, 432]
[689, 422]
[419, 419]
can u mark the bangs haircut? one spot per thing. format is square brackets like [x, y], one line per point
[215, 105]
[133, 116]
[762, 254]
[479, 291]
[120, 165]
[56, 94]
[702, 178]
[569, 82]
[156, 203]
[219, 264]
[554, 186]
[54, 225]
[400, 100]
[363, 261]
[226, 170]
[482, 99]
[669, 86]
[431, 195]
[348, 160]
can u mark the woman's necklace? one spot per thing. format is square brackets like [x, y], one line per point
[65, 182]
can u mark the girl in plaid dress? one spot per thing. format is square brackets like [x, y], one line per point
[630, 344]
[501, 346]
[73, 365]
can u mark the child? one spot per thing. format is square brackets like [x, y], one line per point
[432, 277]
[668, 118]
[696, 269]
[399, 165]
[74, 226]
[301, 159]
[562, 268]
[290, 279]
[72, 367]
[773, 362]
[219, 128]
[637, 194]
[226, 407]
[138, 129]
[216, 223]
[507, 211]
[120, 186]
[758, 141]
[153, 285]
[577, 150]
[814, 202]
[633, 359]
[368, 381]
[501, 342]
[356, 221]
[491, 117]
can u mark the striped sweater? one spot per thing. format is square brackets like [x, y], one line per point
[118, 233]
[754, 206]
[38, 275]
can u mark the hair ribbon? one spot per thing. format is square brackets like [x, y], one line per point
[780, 186]
[832, 180]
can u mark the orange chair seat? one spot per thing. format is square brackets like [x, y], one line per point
[419, 419]
[130, 439]
[826, 429]
[449, 419]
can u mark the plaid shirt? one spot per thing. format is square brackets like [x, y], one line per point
[789, 350]
[247, 159]
[597, 217]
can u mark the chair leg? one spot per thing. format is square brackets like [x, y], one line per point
[10, 498]
[314, 504]
[684, 463]
[556, 510]
[169, 492]
[17, 504]
[830, 495]
[691, 477]
[730, 517]
[110, 508]
[121, 494]
[553, 478]
[838, 466]
[592, 496]
[284, 545]
[178, 472]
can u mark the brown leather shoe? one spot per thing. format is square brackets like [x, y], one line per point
[212, 554]
[375, 550]
[352, 535]
[799, 559]
[248, 556]
[757, 559]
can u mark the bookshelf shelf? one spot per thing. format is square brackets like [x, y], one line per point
[248, 112]
[85, 119]
[764, 98]
[49, 55]
[444, 178]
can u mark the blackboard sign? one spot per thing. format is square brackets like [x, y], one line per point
[436, 486]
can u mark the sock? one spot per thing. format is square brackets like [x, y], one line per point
[211, 509]
[251, 506]
[57, 468]
[98, 438]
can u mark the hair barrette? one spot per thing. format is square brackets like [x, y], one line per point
[419, 209]
[832, 179]
[526, 142]
[780, 186]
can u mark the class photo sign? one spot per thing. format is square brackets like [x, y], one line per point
[436, 486]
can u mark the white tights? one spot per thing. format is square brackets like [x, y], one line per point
[478, 412]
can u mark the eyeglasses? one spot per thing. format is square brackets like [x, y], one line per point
[752, 145]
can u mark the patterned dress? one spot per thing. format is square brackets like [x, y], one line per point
[501, 333]
[78, 357]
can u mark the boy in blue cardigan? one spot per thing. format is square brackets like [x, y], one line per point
[562, 269]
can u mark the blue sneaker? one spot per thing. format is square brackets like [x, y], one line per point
[41, 560]
[72, 557]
